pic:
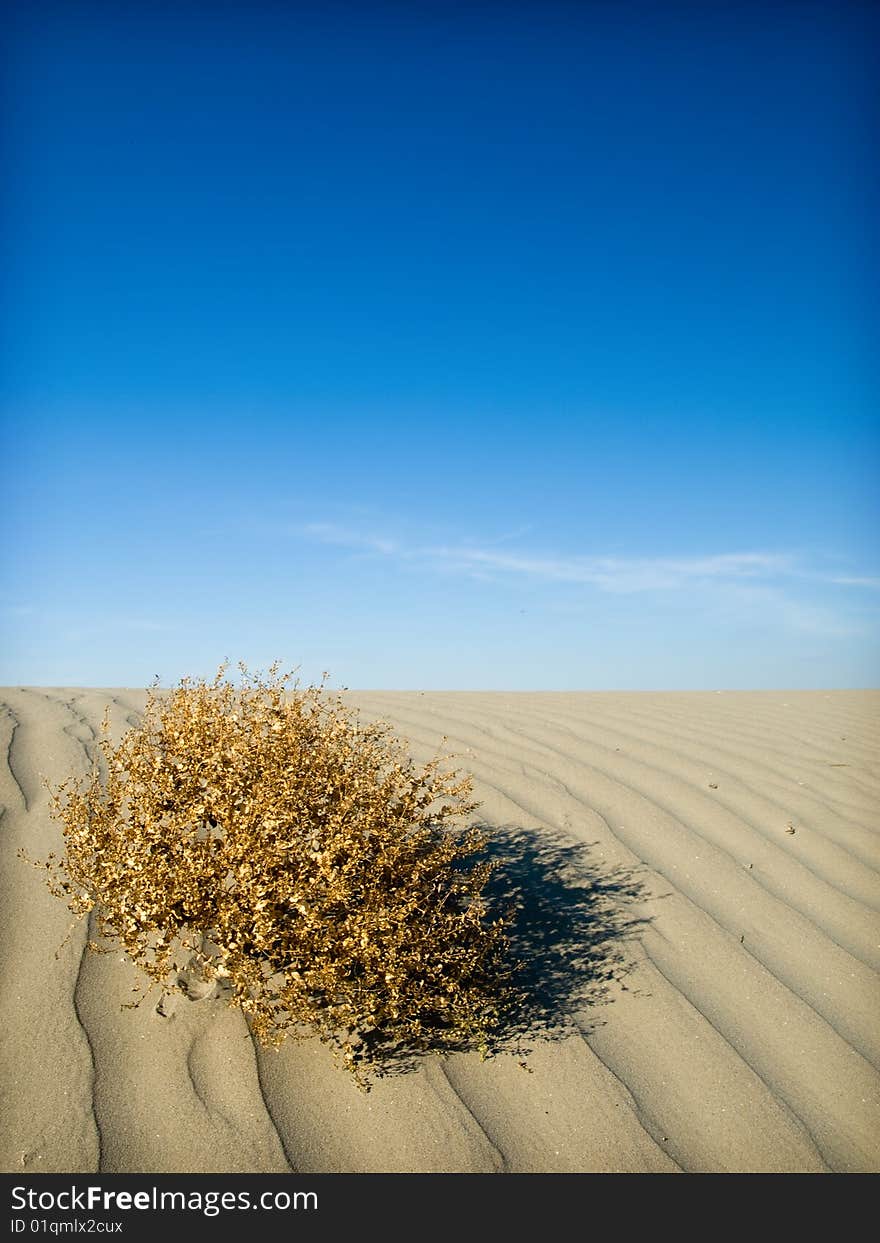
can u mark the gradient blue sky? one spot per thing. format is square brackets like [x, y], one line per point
[486, 346]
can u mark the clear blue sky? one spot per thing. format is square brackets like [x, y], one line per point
[441, 346]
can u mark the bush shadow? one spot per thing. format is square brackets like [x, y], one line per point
[571, 920]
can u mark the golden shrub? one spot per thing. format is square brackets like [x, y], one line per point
[297, 856]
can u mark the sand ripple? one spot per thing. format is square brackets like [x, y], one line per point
[706, 981]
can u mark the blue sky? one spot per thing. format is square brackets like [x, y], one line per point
[511, 346]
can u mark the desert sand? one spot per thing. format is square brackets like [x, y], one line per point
[710, 977]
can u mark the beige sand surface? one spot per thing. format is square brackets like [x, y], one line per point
[737, 1026]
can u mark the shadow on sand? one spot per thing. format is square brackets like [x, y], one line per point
[572, 918]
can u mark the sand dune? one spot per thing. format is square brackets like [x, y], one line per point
[711, 998]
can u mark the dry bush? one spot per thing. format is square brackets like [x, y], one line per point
[299, 857]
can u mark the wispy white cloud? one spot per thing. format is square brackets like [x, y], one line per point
[106, 624]
[854, 580]
[54, 616]
[331, 533]
[617, 574]
[142, 623]
[752, 585]
[772, 605]
[613, 574]
[505, 538]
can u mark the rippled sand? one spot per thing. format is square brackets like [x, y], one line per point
[710, 978]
